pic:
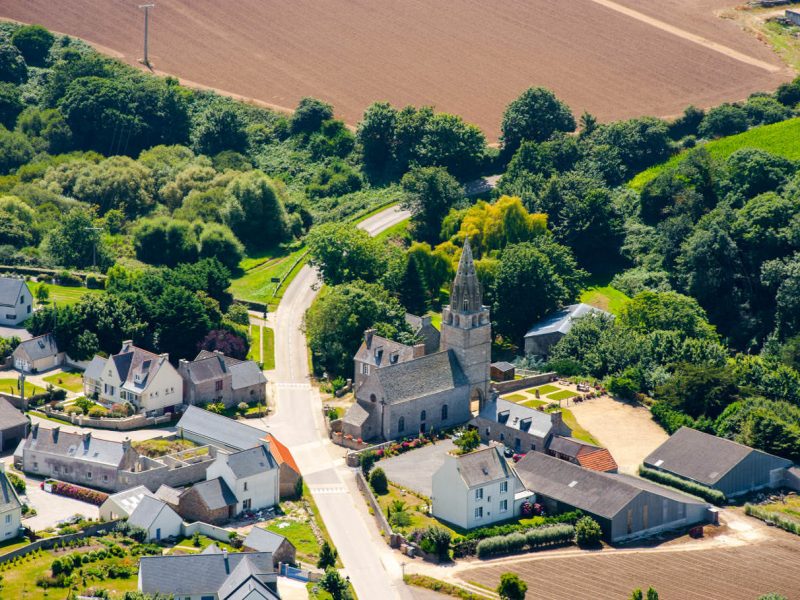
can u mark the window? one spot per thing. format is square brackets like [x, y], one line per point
[29, 308]
[488, 432]
[479, 494]
[479, 512]
[36, 465]
[105, 477]
[246, 504]
[8, 519]
[444, 412]
[22, 299]
[503, 505]
[373, 398]
[504, 487]
[88, 475]
[401, 425]
[245, 486]
[218, 385]
[423, 415]
[466, 304]
[364, 369]
[502, 437]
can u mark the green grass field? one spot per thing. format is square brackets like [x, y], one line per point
[605, 298]
[64, 295]
[535, 403]
[262, 336]
[578, 432]
[69, 380]
[395, 231]
[300, 534]
[543, 389]
[562, 395]
[256, 285]
[515, 398]
[778, 138]
[12, 386]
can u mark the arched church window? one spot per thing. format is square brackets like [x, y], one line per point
[466, 304]
[372, 398]
[444, 412]
[423, 415]
[401, 425]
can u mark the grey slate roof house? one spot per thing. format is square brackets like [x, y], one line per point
[13, 425]
[402, 391]
[205, 427]
[547, 332]
[157, 518]
[519, 427]
[261, 540]
[210, 501]
[37, 354]
[425, 332]
[214, 377]
[624, 506]
[16, 301]
[724, 465]
[10, 509]
[252, 475]
[214, 575]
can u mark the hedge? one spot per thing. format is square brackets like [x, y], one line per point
[772, 518]
[79, 493]
[533, 539]
[690, 487]
[442, 587]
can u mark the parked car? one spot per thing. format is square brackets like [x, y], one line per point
[517, 457]
[508, 452]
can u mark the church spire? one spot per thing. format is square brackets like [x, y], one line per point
[465, 294]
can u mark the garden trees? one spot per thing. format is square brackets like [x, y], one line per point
[375, 137]
[379, 482]
[217, 241]
[336, 585]
[327, 556]
[34, 42]
[699, 390]
[10, 104]
[587, 532]
[225, 340]
[534, 116]
[46, 129]
[436, 540]
[512, 587]
[650, 311]
[434, 266]
[430, 194]
[12, 65]
[309, 115]
[218, 128]
[468, 441]
[343, 253]
[15, 150]
[165, 241]
[336, 322]
[255, 210]
[74, 242]
[118, 183]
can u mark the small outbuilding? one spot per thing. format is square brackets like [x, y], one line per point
[548, 332]
[210, 501]
[582, 454]
[502, 371]
[289, 476]
[122, 504]
[158, 519]
[37, 354]
[724, 465]
[14, 425]
[261, 540]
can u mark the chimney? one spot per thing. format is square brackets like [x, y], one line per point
[126, 444]
[419, 350]
[219, 353]
[87, 437]
[164, 357]
[425, 320]
[557, 421]
[35, 430]
[368, 337]
[126, 345]
[183, 362]
[56, 430]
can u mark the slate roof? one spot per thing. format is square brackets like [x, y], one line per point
[8, 496]
[517, 416]
[700, 456]
[214, 493]
[586, 454]
[11, 289]
[570, 446]
[147, 512]
[203, 574]
[252, 461]
[261, 540]
[208, 368]
[423, 376]
[95, 368]
[225, 431]
[129, 499]
[356, 415]
[137, 367]
[10, 417]
[246, 374]
[380, 351]
[482, 466]
[281, 453]
[39, 347]
[75, 445]
[562, 320]
[503, 365]
[602, 494]
[168, 494]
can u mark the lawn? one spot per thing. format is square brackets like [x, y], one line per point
[187, 546]
[69, 380]
[436, 320]
[777, 138]
[395, 231]
[64, 295]
[11, 545]
[413, 504]
[535, 403]
[562, 395]
[256, 285]
[515, 398]
[300, 534]
[544, 389]
[266, 336]
[12, 386]
[578, 432]
[605, 298]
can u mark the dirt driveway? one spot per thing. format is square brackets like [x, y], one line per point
[628, 431]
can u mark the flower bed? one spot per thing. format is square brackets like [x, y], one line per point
[405, 446]
[77, 492]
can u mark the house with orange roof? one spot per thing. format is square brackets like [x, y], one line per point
[582, 453]
[291, 481]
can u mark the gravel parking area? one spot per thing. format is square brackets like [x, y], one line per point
[414, 470]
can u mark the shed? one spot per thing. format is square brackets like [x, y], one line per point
[14, 425]
[261, 540]
[210, 501]
[502, 371]
[122, 504]
[546, 333]
[157, 518]
[715, 462]
[37, 354]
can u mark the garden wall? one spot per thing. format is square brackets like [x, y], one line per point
[123, 424]
[206, 529]
[504, 387]
[49, 543]
[386, 529]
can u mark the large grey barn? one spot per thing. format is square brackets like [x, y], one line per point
[624, 506]
[721, 464]
[548, 332]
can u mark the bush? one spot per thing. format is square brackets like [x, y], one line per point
[97, 411]
[588, 532]
[773, 518]
[532, 539]
[79, 493]
[436, 540]
[367, 460]
[67, 278]
[378, 481]
[706, 493]
[17, 482]
[215, 407]
[94, 282]
[511, 587]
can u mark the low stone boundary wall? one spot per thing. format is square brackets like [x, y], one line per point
[123, 424]
[504, 387]
[386, 529]
[49, 543]
[206, 529]
[353, 459]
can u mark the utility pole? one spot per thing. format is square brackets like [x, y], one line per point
[146, 8]
[94, 246]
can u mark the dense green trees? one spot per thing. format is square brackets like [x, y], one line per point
[10, 104]
[255, 210]
[512, 587]
[34, 43]
[430, 194]
[534, 116]
[74, 242]
[345, 253]
[219, 128]
[12, 64]
[164, 241]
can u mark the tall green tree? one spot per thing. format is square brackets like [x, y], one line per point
[164, 241]
[375, 136]
[344, 253]
[512, 587]
[75, 243]
[430, 194]
[10, 104]
[12, 65]
[412, 289]
[34, 42]
[255, 210]
[534, 116]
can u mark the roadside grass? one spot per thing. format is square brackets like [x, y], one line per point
[442, 587]
[605, 298]
[418, 520]
[12, 386]
[777, 138]
[395, 231]
[562, 395]
[545, 389]
[255, 343]
[268, 341]
[64, 295]
[256, 284]
[315, 592]
[69, 380]
[578, 432]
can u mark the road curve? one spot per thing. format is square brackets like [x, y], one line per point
[372, 567]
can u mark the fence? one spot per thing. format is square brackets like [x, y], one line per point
[49, 543]
[504, 387]
[122, 424]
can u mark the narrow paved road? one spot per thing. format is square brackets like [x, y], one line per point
[372, 567]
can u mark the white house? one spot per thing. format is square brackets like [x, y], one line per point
[157, 518]
[148, 381]
[16, 301]
[252, 475]
[10, 508]
[477, 489]
[37, 354]
[122, 504]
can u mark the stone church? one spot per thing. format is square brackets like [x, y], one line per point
[403, 390]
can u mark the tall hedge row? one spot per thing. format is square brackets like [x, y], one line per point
[690, 487]
[532, 540]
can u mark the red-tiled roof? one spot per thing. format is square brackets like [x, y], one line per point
[600, 460]
[281, 453]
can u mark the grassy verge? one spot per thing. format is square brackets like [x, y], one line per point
[69, 380]
[413, 507]
[578, 432]
[64, 295]
[395, 231]
[12, 386]
[784, 514]
[41, 415]
[605, 298]
[254, 353]
[441, 587]
[268, 342]
[256, 284]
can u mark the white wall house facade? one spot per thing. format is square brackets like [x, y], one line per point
[477, 489]
[157, 518]
[16, 301]
[252, 475]
[10, 509]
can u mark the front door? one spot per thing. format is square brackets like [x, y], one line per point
[158, 534]
[422, 428]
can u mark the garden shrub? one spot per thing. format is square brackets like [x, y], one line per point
[588, 532]
[532, 539]
[97, 412]
[773, 518]
[706, 493]
[79, 493]
[436, 540]
[94, 282]
[378, 481]
[67, 278]
[17, 482]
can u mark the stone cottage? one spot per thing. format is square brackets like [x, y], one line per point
[214, 377]
[402, 391]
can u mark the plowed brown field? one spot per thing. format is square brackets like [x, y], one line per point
[737, 573]
[463, 56]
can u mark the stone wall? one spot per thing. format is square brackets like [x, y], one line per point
[49, 543]
[386, 529]
[504, 387]
[124, 424]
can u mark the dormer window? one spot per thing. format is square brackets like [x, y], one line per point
[378, 354]
[394, 357]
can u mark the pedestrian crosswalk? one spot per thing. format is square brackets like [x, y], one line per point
[328, 489]
[292, 386]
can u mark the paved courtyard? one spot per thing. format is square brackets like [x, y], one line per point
[414, 470]
[9, 332]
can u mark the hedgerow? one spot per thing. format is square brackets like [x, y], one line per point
[533, 540]
[772, 518]
[696, 489]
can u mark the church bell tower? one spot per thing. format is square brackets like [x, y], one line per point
[466, 328]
